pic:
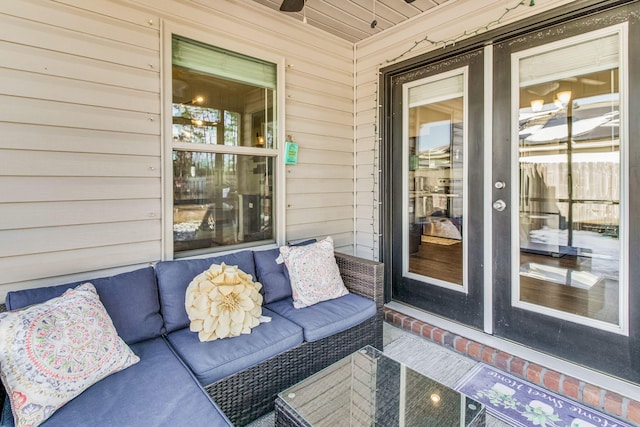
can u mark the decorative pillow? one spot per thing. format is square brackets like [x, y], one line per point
[223, 301]
[53, 351]
[313, 271]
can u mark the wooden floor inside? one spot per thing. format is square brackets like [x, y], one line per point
[444, 262]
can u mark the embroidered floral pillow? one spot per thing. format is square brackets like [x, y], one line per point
[222, 302]
[313, 271]
[52, 352]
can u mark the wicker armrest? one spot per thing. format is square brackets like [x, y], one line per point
[362, 277]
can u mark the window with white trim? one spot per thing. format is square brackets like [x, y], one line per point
[224, 148]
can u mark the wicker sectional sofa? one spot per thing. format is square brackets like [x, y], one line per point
[181, 381]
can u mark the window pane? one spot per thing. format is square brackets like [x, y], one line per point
[221, 200]
[229, 102]
[569, 156]
[436, 160]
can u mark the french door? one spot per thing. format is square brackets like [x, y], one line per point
[565, 218]
[437, 266]
[514, 176]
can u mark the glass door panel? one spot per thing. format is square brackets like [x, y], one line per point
[569, 193]
[435, 149]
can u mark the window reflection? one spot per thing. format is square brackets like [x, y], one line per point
[224, 148]
[569, 145]
[219, 199]
[435, 181]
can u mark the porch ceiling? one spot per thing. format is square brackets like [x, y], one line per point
[352, 19]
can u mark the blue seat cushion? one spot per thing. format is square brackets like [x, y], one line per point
[214, 360]
[327, 317]
[131, 299]
[274, 277]
[157, 391]
[174, 278]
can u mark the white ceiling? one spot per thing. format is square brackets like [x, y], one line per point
[351, 19]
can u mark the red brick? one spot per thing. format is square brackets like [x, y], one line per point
[427, 330]
[416, 328]
[461, 344]
[552, 380]
[388, 315]
[398, 318]
[438, 335]
[591, 395]
[502, 360]
[407, 322]
[488, 354]
[474, 350]
[534, 373]
[633, 412]
[518, 366]
[571, 387]
[613, 403]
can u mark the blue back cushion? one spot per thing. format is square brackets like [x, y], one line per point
[131, 299]
[274, 277]
[174, 278]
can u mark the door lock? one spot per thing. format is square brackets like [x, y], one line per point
[500, 185]
[499, 205]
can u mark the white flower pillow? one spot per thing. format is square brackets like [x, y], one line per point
[313, 272]
[222, 302]
[52, 352]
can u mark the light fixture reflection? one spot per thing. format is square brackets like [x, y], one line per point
[536, 105]
[564, 96]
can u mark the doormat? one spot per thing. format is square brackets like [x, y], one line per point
[523, 404]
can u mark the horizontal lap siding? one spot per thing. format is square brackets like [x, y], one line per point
[80, 131]
[80, 181]
[395, 45]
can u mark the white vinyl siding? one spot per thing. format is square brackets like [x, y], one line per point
[80, 128]
[81, 131]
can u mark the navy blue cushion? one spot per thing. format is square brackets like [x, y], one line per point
[157, 391]
[131, 299]
[214, 360]
[327, 317]
[274, 277]
[174, 278]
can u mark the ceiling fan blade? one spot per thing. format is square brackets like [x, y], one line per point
[292, 5]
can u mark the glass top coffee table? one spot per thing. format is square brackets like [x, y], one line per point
[369, 389]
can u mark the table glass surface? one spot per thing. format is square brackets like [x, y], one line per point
[368, 388]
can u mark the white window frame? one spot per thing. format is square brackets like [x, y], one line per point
[168, 30]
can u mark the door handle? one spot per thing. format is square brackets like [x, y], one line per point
[499, 205]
